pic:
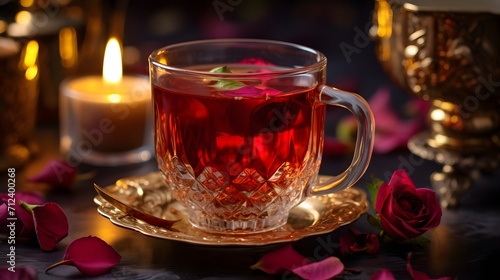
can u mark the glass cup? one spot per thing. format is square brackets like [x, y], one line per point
[239, 130]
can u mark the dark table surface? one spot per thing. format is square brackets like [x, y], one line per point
[466, 245]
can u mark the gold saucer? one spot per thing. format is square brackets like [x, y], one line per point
[316, 215]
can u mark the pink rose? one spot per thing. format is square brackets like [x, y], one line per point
[406, 212]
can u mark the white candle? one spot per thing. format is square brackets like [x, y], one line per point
[108, 114]
[111, 117]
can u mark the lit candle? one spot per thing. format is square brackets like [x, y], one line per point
[107, 115]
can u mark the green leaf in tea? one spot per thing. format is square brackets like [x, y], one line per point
[221, 69]
[226, 84]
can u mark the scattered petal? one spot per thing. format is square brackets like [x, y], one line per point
[25, 226]
[4, 213]
[18, 273]
[51, 224]
[324, 269]
[57, 173]
[355, 241]
[284, 258]
[391, 131]
[383, 274]
[90, 255]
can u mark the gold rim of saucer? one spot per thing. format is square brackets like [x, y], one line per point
[316, 215]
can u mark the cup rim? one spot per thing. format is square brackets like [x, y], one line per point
[319, 64]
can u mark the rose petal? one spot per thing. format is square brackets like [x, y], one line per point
[284, 258]
[391, 131]
[384, 191]
[4, 214]
[26, 226]
[18, 273]
[90, 255]
[355, 241]
[245, 91]
[372, 243]
[255, 61]
[324, 269]
[57, 173]
[346, 241]
[388, 141]
[383, 274]
[400, 177]
[51, 225]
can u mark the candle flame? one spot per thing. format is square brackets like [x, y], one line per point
[112, 66]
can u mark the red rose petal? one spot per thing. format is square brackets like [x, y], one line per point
[90, 255]
[324, 269]
[285, 258]
[400, 177]
[51, 225]
[383, 274]
[57, 173]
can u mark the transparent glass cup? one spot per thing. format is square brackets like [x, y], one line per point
[239, 130]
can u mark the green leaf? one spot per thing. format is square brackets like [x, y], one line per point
[373, 189]
[221, 69]
[226, 84]
[374, 221]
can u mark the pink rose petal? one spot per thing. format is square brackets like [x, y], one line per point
[383, 274]
[391, 131]
[245, 91]
[282, 259]
[255, 61]
[4, 214]
[324, 269]
[90, 255]
[57, 173]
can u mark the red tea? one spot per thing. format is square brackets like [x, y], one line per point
[239, 157]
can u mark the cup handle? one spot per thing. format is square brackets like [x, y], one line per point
[364, 139]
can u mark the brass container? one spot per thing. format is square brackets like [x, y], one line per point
[447, 52]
